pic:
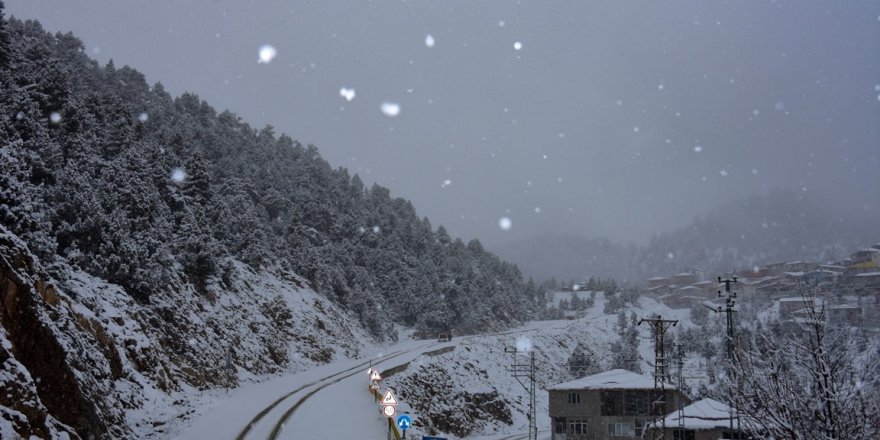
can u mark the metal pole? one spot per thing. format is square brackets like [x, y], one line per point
[527, 371]
[729, 302]
[680, 362]
[661, 373]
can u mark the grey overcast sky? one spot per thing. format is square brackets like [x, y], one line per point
[612, 119]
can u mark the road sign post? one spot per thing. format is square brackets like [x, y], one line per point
[389, 410]
[389, 404]
[404, 421]
[389, 398]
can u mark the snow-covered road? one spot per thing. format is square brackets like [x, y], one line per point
[331, 401]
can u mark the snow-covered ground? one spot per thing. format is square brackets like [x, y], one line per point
[332, 401]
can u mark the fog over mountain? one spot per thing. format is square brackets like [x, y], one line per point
[761, 229]
[609, 119]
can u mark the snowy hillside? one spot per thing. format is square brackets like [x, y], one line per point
[155, 245]
[134, 366]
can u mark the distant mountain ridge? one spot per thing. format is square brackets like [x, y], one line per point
[756, 230]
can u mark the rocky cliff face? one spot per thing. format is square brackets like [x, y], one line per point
[44, 395]
[80, 357]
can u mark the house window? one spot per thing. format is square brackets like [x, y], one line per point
[621, 430]
[574, 397]
[559, 425]
[636, 403]
[612, 403]
[577, 426]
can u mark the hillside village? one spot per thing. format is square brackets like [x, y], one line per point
[850, 286]
[785, 297]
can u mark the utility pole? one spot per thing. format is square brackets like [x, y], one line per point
[659, 326]
[728, 309]
[679, 361]
[523, 372]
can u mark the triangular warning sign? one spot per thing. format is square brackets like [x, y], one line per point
[389, 398]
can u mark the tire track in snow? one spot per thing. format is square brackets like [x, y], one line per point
[276, 431]
[246, 430]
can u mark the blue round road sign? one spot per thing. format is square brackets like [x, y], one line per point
[404, 421]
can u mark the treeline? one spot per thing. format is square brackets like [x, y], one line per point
[105, 173]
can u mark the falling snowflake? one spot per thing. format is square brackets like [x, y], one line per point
[267, 53]
[636, 129]
[143, 117]
[723, 173]
[619, 102]
[446, 183]
[660, 87]
[517, 46]
[523, 344]
[19, 116]
[504, 223]
[779, 106]
[537, 209]
[390, 109]
[54, 117]
[754, 171]
[501, 23]
[361, 229]
[429, 41]
[756, 112]
[178, 175]
[670, 255]
[347, 93]
[376, 229]
[698, 149]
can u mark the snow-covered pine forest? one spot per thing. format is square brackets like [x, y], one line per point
[115, 177]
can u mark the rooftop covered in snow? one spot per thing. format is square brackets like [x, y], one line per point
[612, 379]
[702, 414]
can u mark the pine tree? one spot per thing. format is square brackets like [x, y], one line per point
[5, 41]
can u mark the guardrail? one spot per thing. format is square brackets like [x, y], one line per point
[400, 368]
